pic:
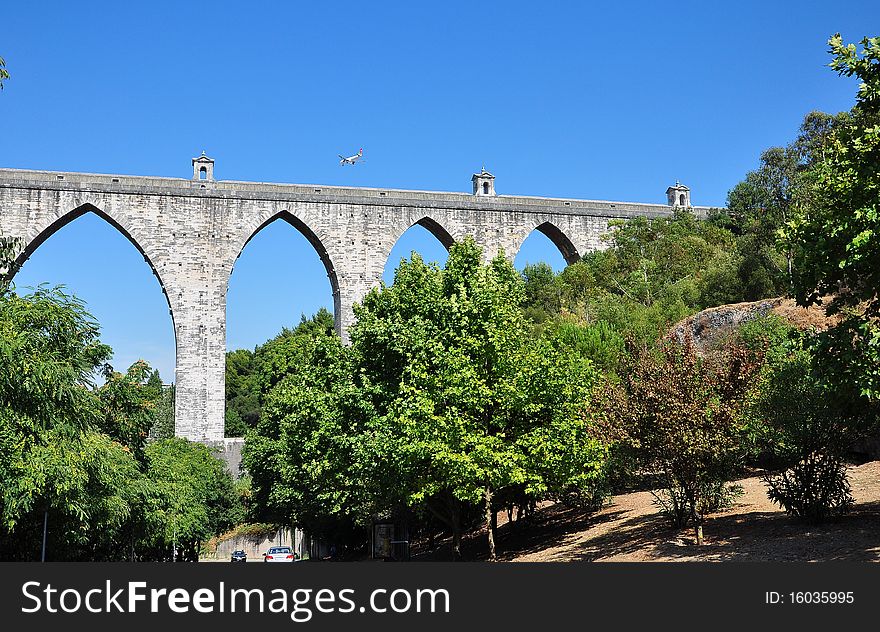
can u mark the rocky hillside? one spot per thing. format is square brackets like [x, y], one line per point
[710, 326]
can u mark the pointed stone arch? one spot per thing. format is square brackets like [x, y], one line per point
[316, 243]
[406, 223]
[426, 221]
[435, 228]
[34, 241]
[50, 224]
[559, 239]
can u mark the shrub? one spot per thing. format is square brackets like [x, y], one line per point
[682, 415]
[805, 426]
[813, 489]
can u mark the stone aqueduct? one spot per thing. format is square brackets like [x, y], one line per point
[191, 232]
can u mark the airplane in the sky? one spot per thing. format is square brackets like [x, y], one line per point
[351, 159]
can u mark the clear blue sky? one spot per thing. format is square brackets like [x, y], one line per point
[558, 99]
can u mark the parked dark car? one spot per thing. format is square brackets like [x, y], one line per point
[239, 556]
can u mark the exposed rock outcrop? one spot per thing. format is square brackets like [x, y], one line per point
[712, 325]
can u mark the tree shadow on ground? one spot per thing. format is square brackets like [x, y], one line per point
[759, 536]
[743, 537]
[549, 527]
[546, 528]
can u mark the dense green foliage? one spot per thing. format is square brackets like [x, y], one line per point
[653, 273]
[128, 406]
[838, 233]
[301, 457]
[190, 498]
[243, 368]
[441, 402]
[76, 456]
[769, 198]
[805, 427]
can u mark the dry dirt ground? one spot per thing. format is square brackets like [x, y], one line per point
[630, 529]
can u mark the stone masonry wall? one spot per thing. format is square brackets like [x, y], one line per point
[191, 233]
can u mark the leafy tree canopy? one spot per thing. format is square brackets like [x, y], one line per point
[76, 455]
[244, 388]
[441, 401]
[835, 238]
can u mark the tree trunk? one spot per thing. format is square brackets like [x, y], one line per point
[450, 515]
[490, 527]
[699, 531]
[455, 510]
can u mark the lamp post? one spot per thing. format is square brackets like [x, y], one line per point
[45, 529]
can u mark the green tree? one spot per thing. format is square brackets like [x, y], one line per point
[4, 75]
[468, 399]
[128, 406]
[191, 497]
[653, 273]
[835, 237]
[73, 459]
[760, 205]
[49, 353]
[242, 393]
[766, 201]
[441, 403]
[598, 342]
[542, 292]
[85, 486]
[301, 456]
[244, 389]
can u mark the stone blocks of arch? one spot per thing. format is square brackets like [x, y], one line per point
[191, 238]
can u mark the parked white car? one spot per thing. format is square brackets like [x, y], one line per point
[279, 554]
